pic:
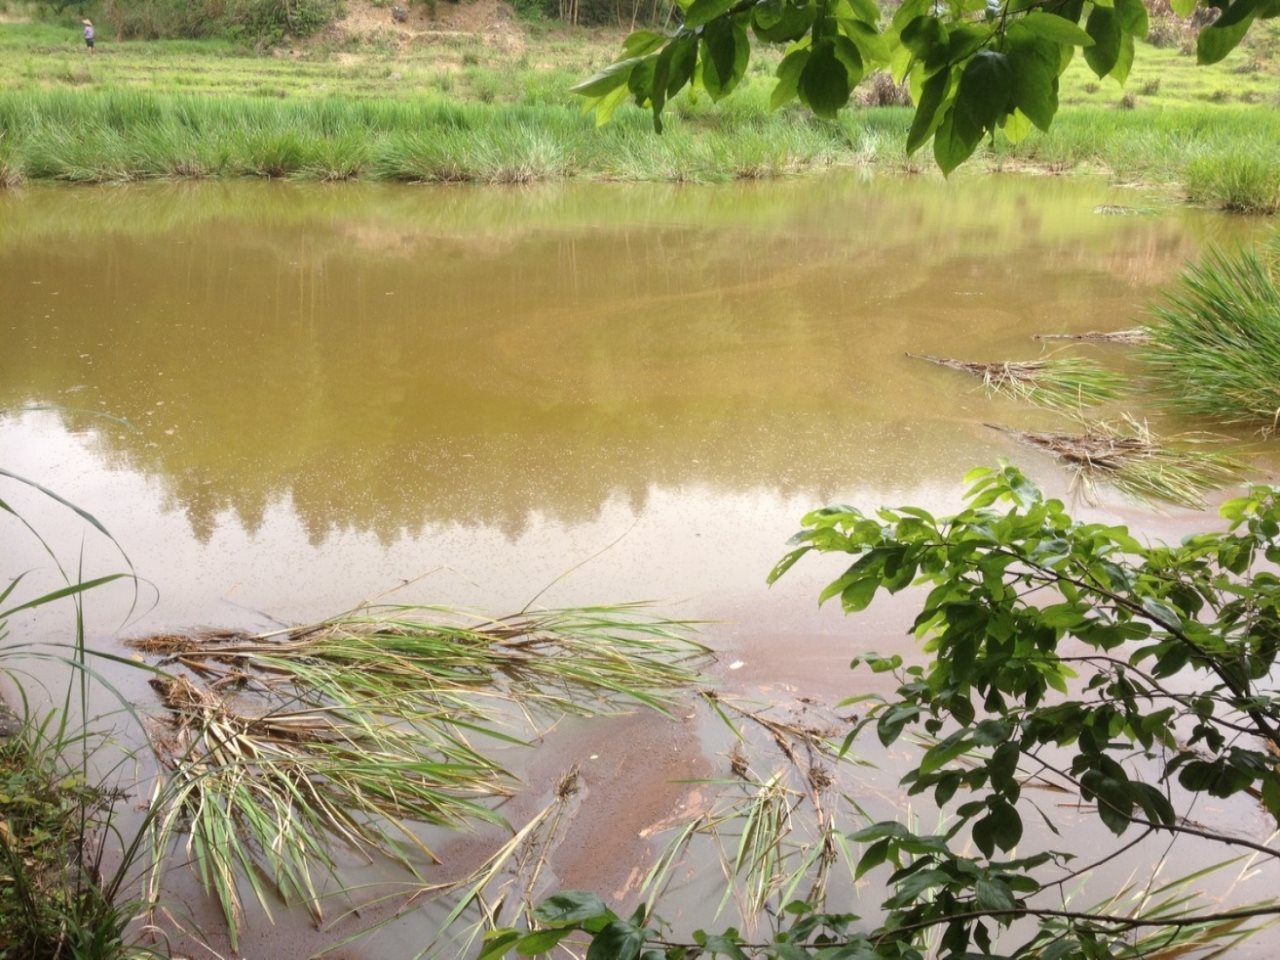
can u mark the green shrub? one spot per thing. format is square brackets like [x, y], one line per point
[258, 21]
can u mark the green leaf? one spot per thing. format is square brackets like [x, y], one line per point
[643, 42]
[1110, 786]
[1219, 39]
[859, 594]
[702, 12]
[680, 55]
[924, 35]
[943, 753]
[824, 81]
[981, 99]
[1001, 827]
[889, 726]
[1162, 613]
[928, 115]
[1271, 794]
[1104, 26]
[540, 941]
[618, 941]
[571, 907]
[994, 895]
[498, 942]
[1048, 26]
[610, 78]
[866, 11]
[725, 52]
[776, 21]
[640, 83]
[788, 74]
[1034, 80]
[1133, 17]
[875, 855]
[985, 88]
[952, 146]
[870, 43]
[1124, 62]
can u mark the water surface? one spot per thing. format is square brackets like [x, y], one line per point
[284, 400]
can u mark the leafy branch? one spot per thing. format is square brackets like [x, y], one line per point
[975, 66]
[1052, 646]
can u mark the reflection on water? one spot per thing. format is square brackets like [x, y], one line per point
[385, 358]
[287, 399]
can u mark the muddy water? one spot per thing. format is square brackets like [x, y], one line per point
[285, 400]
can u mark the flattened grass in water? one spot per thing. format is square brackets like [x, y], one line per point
[1126, 455]
[1216, 343]
[1065, 383]
[352, 731]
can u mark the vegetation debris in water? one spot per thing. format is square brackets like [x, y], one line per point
[1137, 336]
[1064, 383]
[356, 729]
[1125, 454]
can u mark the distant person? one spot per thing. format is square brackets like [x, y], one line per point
[88, 34]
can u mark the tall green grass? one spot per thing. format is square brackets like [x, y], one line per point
[1225, 156]
[1215, 347]
[1244, 182]
[67, 875]
[126, 135]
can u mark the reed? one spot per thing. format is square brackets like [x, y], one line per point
[1216, 343]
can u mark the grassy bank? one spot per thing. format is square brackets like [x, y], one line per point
[451, 108]
[1219, 155]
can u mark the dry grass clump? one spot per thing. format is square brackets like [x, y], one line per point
[1062, 384]
[1125, 454]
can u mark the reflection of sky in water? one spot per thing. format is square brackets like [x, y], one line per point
[331, 392]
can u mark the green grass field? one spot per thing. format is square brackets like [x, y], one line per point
[451, 107]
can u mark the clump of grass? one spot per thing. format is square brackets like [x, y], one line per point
[358, 728]
[1243, 182]
[51, 905]
[1216, 343]
[1126, 455]
[1063, 384]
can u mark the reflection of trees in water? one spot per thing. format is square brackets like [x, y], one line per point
[472, 356]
